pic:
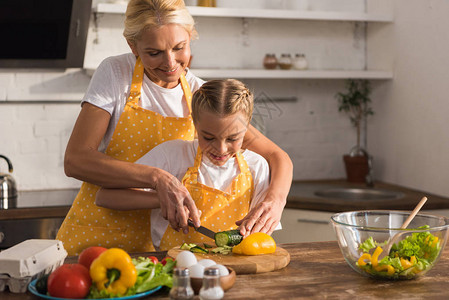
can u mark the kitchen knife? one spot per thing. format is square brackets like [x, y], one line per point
[203, 230]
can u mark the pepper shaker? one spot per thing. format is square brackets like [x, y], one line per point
[211, 289]
[181, 290]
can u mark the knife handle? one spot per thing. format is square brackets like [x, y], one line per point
[190, 223]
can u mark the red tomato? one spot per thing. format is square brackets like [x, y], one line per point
[164, 261]
[88, 255]
[69, 281]
[153, 259]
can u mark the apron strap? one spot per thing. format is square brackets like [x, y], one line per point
[136, 83]
[192, 172]
[187, 92]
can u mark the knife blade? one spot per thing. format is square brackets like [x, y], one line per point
[203, 230]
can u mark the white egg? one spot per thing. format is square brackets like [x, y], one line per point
[196, 271]
[207, 262]
[185, 259]
[223, 270]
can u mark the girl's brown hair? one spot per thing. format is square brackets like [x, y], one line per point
[224, 97]
[144, 14]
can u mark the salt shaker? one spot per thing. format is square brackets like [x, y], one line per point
[285, 62]
[300, 62]
[211, 289]
[181, 290]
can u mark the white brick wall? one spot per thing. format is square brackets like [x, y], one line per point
[34, 137]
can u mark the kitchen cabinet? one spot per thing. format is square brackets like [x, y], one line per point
[300, 226]
[373, 67]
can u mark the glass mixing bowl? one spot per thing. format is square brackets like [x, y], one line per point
[362, 236]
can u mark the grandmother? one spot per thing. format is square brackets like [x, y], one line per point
[134, 102]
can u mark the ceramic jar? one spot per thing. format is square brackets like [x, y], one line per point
[207, 3]
[270, 62]
[285, 62]
[300, 62]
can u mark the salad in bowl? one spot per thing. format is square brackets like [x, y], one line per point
[363, 236]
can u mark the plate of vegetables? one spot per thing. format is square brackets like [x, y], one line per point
[105, 273]
[33, 290]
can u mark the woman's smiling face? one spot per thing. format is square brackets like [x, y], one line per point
[165, 53]
[220, 138]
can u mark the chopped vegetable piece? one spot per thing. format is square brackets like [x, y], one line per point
[225, 250]
[228, 238]
[365, 256]
[198, 249]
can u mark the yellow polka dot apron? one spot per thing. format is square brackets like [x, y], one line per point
[220, 210]
[137, 132]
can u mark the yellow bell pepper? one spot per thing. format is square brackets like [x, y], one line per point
[435, 242]
[405, 263]
[361, 262]
[114, 271]
[388, 268]
[255, 244]
[374, 258]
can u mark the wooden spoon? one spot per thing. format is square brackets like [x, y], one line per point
[393, 239]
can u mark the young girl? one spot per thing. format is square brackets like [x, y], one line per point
[224, 180]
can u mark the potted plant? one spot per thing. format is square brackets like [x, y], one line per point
[355, 102]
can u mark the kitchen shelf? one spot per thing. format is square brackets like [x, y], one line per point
[197, 11]
[209, 73]
[292, 74]
[285, 74]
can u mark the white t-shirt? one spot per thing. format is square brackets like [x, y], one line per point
[110, 85]
[177, 156]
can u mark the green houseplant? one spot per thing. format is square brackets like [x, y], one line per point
[355, 102]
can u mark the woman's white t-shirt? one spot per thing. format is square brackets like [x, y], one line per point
[177, 156]
[110, 85]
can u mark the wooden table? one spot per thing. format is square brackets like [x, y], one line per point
[318, 271]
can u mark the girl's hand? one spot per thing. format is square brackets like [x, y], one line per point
[176, 203]
[264, 217]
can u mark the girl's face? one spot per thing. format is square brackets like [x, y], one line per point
[220, 137]
[165, 53]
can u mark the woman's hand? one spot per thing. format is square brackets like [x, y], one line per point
[264, 217]
[176, 203]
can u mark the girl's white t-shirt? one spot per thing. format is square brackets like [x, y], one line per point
[177, 156]
[110, 85]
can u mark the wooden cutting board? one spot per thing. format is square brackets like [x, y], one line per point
[245, 264]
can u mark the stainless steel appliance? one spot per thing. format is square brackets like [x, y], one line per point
[8, 188]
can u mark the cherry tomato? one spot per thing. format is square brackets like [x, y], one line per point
[164, 261]
[69, 281]
[153, 259]
[88, 255]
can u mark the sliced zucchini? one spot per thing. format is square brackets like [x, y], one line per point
[228, 238]
[186, 246]
[198, 249]
[222, 250]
